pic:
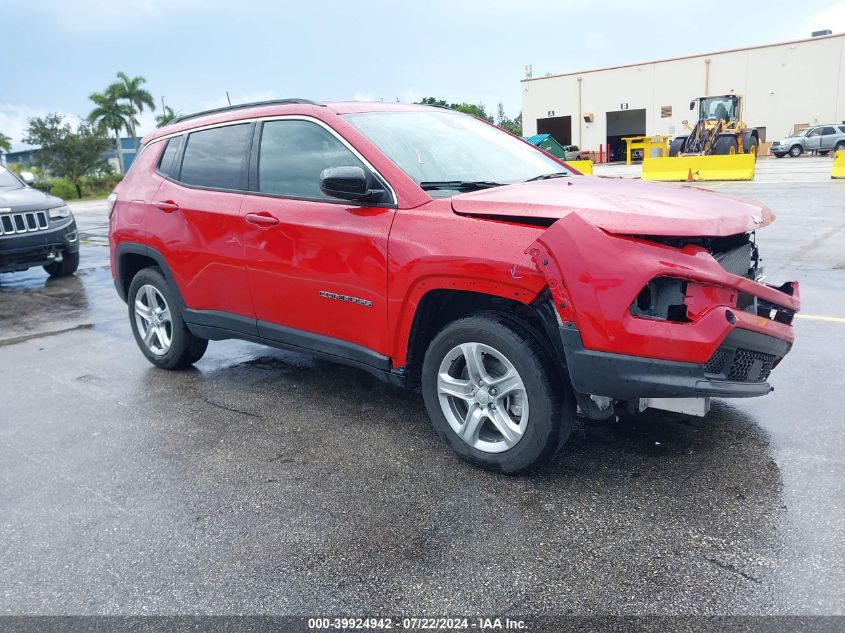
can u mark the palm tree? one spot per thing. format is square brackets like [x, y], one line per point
[5, 143]
[136, 97]
[112, 115]
[167, 115]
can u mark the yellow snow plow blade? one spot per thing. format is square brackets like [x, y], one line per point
[694, 168]
[838, 165]
[584, 166]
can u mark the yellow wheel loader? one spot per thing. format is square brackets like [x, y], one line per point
[718, 147]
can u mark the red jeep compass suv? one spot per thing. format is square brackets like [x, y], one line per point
[438, 251]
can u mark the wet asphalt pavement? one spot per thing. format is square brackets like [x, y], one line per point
[267, 482]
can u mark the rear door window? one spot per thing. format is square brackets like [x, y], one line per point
[294, 153]
[215, 158]
[828, 130]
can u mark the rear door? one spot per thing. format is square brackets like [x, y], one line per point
[317, 265]
[196, 222]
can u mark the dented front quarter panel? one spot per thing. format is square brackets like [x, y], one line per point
[594, 277]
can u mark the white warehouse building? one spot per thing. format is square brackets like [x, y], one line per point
[786, 86]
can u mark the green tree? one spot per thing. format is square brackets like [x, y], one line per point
[112, 115]
[136, 97]
[467, 108]
[67, 153]
[5, 143]
[514, 126]
[167, 115]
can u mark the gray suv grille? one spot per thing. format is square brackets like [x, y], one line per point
[27, 222]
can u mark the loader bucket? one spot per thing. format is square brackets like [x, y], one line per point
[694, 168]
[584, 166]
[838, 165]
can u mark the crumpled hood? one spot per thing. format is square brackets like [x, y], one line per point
[27, 199]
[620, 205]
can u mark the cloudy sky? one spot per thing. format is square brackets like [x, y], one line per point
[56, 52]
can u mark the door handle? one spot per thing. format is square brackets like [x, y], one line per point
[262, 219]
[168, 206]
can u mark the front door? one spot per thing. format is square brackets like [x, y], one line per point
[828, 139]
[812, 141]
[317, 265]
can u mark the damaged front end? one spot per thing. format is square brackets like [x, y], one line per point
[661, 322]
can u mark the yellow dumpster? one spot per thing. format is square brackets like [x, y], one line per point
[838, 165]
[695, 168]
[584, 166]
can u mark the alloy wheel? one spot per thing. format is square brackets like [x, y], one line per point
[483, 397]
[153, 319]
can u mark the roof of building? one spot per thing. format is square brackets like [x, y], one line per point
[673, 59]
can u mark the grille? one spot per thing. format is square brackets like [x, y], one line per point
[750, 366]
[27, 222]
[740, 365]
[716, 364]
[737, 261]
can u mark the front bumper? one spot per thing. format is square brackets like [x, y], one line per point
[742, 354]
[38, 248]
[718, 349]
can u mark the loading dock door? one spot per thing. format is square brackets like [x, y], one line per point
[623, 123]
[560, 127]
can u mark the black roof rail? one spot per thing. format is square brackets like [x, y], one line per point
[242, 106]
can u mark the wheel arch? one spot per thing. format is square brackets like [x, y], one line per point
[131, 257]
[441, 306]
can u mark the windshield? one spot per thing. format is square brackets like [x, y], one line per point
[450, 148]
[724, 108]
[8, 180]
[799, 133]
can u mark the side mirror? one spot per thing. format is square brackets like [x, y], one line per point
[692, 105]
[28, 178]
[350, 183]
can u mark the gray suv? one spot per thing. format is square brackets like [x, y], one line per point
[36, 229]
[820, 138]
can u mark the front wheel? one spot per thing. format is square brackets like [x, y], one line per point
[795, 151]
[64, 268]
[493, 394]
[157, 323]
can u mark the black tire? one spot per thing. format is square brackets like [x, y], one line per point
[64, 268]
[551, 411]
[676, 146]
[752, 148]
[779, 155]
[795, 151]
[840, 147]
[185, 348]
[724, 145]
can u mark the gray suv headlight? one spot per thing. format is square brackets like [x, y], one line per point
[59, 213]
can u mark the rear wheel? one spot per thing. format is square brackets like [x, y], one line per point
[494, 395]
[64, 268]
[157, 323]
[795, 151]
[840, 147]
[725, 145]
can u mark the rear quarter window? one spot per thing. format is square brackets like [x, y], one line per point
[215, 158]
[167, 165]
